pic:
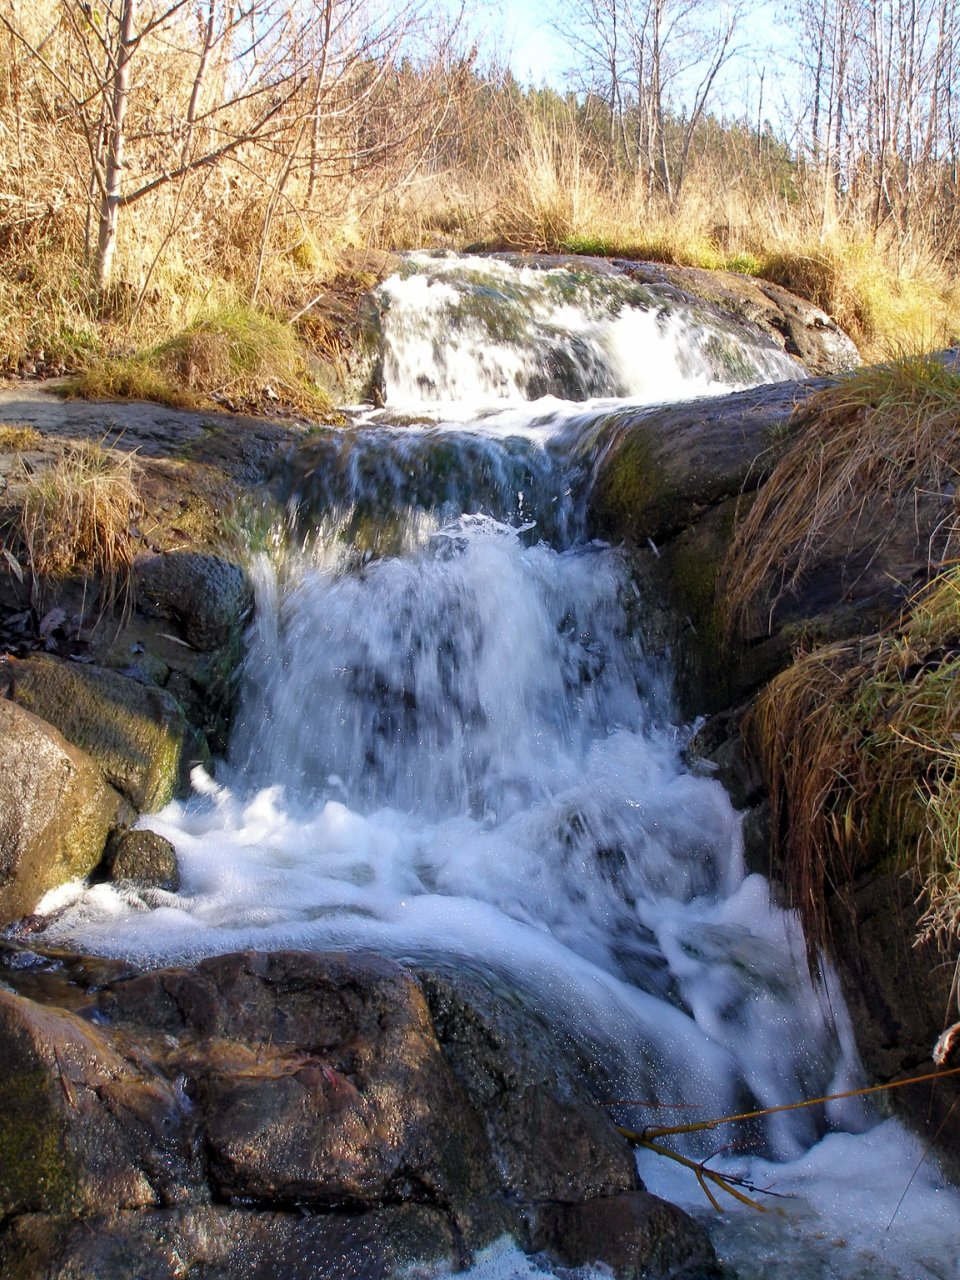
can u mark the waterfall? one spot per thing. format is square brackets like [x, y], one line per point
[454, 747]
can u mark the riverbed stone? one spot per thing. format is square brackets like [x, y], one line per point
[136, 733]
[142, 857]
[551, 1141]
[82, 1131]
[204, 595]
[299, 1114]
[220, 1243]
[56, 809]
[635, 1233]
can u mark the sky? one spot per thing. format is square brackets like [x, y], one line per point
[522, 33]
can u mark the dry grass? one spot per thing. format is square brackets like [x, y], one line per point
[17, 438]
[883, 433]
[859, 743]
[76, 516]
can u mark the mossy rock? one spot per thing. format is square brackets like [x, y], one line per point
[55, 811]
[137, 734]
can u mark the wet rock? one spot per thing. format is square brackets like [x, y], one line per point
[143, 857]
[320, 1081]
[81, 1130]
[636, 1234]
[296, 1114]
[137, 734]
[899, 995]
[800, 328]
[206, 596]
[55, 811]
[227, 1244]
[551, 1141]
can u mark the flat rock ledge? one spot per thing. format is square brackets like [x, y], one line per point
[301, 1115]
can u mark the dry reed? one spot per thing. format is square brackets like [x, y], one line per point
[884, 433]
[76, 516]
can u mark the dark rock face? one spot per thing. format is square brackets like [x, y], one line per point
[302, 1115]
[55, 810]
[205, 595]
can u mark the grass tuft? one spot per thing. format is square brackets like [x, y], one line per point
[76, 517]
[884, 431]
[17, 438]
[128, 378]
[234, 353]
[860, 747]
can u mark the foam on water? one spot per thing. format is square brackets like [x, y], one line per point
[465, 332]
[460, 753]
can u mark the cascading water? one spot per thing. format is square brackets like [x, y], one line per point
[453, 748]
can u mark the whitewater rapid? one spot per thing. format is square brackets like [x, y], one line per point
[453, 744]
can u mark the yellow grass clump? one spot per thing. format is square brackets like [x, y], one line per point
[883, 432]
[76, 516]
[860, 742]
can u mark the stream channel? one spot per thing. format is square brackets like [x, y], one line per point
[453, 744]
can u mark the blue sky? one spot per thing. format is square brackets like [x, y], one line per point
[538, 55]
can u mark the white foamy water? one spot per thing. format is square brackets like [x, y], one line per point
[460, 752]
[519, 334]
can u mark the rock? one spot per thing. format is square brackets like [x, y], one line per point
[143, 857]
[552, 1142]
[228, 1244]
[296, 1114]
[672, 484]
[55, 811]
[801, 329]
[206, 596]
[899, 995]
[81, 1130]
[662, 469]
[137, 734]
[320, 1081]
[636, 1234]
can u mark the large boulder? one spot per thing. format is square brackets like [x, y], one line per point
[304, 1115]
[56, 809]
[82, 1129]
[137, 734]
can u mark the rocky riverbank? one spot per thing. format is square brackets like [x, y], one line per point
[324, 1114]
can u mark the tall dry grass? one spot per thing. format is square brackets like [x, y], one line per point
[859, 744]
[887, 432]
[434, 155]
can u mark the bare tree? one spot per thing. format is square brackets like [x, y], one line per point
[655, 63]
[164, 90]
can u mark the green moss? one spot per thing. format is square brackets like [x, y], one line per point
[628, 485]
[34, 1172]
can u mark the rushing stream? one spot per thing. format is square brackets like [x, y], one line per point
[453, 747]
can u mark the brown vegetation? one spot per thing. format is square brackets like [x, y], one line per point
[859, 737]
[76, 516]
[161, 162]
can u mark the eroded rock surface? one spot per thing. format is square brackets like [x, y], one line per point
[55, 810]
[263, 1110]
